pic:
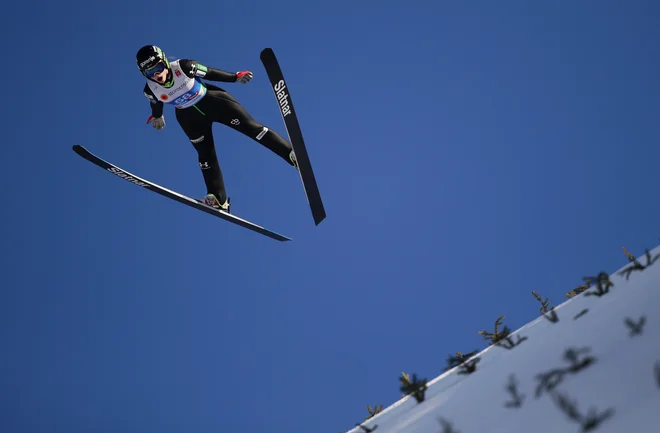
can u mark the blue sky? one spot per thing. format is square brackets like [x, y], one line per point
[466, 154]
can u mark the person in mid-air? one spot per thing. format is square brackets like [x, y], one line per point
[198, 104]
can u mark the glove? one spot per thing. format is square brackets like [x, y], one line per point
[158, 122]
[243, 77]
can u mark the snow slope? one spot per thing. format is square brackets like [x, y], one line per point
[589, 365]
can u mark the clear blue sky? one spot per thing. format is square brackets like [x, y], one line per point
[467, 155]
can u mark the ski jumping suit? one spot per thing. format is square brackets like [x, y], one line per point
[198, 105]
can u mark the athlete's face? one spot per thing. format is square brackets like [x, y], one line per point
[161, 77]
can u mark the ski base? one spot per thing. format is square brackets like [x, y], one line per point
[111, 168]
[283, 97]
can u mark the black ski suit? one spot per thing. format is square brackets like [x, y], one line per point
[217, 106]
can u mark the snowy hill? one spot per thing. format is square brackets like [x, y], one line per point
[595, 369]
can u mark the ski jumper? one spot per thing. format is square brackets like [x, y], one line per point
[198, 105]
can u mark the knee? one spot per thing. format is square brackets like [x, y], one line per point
[199, 143]
[260, 133]
[203, 144]
[197, 140]
[250, 127]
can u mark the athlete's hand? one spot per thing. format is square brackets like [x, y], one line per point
[243, 77]
[158, 122]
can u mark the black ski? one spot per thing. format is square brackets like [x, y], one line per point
[80, 150]
[283, 97]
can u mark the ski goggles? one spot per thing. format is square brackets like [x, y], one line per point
[151, 72]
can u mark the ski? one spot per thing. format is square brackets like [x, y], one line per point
[111, 168]
[283, 97]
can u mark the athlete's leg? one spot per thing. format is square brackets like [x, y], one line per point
[199, 131]
[223, 108]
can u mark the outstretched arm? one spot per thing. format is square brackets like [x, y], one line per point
[195, 69]
[156, 105]
[156, 119]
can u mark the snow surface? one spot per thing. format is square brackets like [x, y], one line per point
[622, 385]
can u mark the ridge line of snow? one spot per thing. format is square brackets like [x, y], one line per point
[531, 323]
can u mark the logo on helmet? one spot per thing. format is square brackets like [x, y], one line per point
[149, 60]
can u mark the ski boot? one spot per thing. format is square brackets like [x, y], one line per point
[292, 157]
[211, 200]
